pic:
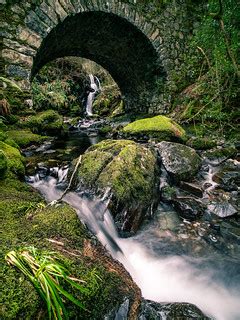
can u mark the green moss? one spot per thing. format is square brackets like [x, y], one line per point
[12, 143]
[14, 95]
[203, 143]
[3, 135]
[168, 193]
[49, 122]
[3, 164]
[26, 221]
[3, 126]
[159, 127]
[14, 159]
[25, 137]
[106, 129]
[124, 166]
[225, 152]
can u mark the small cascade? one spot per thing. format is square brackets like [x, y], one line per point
[95, 87]
[172, 278]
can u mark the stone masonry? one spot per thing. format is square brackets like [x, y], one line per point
[140, 47]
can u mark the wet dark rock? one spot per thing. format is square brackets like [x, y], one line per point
[181, 162]
[119, 313]
[193, 188]
[231, 230]
[168, 311]
[228, 177]
[189, 207]
[222, 209]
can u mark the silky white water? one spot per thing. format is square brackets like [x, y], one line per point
[95, 87]
[161, 279]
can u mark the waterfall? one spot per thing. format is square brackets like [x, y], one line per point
[171, 278]
[95, 87]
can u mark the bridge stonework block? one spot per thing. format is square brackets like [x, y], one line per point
[140, 46]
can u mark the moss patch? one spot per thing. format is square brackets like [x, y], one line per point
[201, 143]
[3, 135]
[3, 164]
[26, 221]
[14, 159]
[25, 137]
[129, 170]
[159, 127]
[47, 122]
[124, 166]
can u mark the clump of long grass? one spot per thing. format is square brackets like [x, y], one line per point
[42, 269]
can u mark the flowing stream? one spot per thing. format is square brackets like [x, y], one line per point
[161, 265]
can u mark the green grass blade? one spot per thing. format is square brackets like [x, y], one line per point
[59, 306]
[71, 297]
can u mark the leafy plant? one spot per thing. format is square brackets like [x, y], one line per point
[213, 70]
[46, 274]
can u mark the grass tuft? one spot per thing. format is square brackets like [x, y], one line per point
[47, 275]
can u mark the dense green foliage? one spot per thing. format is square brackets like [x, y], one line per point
[213, 99]
[62, 86]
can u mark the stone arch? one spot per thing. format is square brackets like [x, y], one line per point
[107, 32]
[113, 43]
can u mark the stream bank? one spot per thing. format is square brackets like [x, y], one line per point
[169, 235]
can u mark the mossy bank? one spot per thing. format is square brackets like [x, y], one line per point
[27, 221]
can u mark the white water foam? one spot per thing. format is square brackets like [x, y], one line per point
[171, 279]
[174, 279]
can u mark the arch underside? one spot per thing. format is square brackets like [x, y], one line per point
[112, 42]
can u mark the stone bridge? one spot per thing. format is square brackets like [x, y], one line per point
[140, 45]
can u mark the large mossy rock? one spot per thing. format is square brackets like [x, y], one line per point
[159, 128]
[129, 170]
[46, 122]
[24, 138]
[14, 159]
[180, 161]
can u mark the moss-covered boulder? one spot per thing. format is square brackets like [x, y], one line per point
[24, 138]
[47, 122]
[180, 161]
[158, 128]
[14, 159]
[129, 170]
